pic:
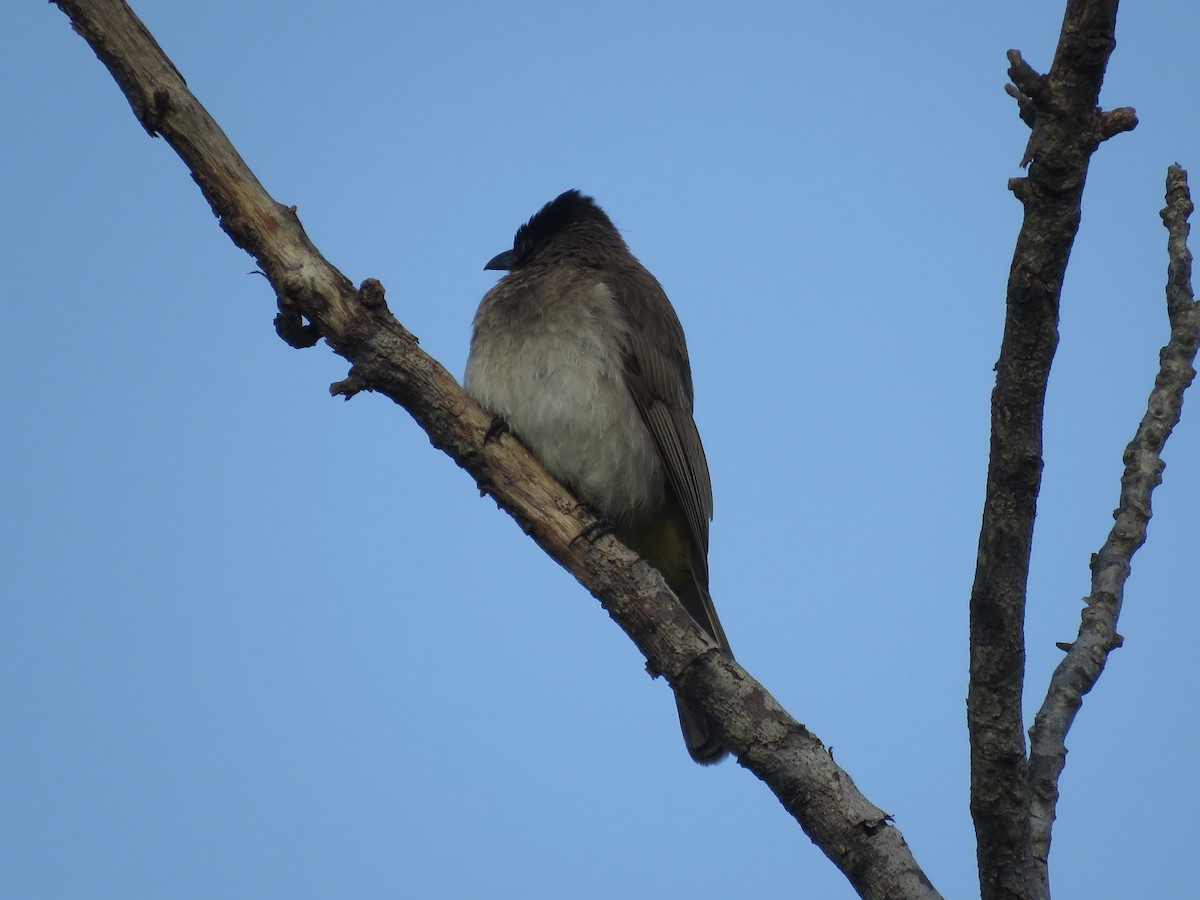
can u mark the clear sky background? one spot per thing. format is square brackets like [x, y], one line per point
[256, 642]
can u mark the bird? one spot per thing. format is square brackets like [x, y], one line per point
[577, 352]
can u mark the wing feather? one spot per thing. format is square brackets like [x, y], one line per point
[659, 377]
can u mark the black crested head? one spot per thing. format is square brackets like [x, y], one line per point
[568, 209]
[563, 211]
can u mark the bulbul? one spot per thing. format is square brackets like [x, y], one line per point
[579, 352]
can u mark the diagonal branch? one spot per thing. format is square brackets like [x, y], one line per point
[1086, 656]
[1066, 129]
[317, 301]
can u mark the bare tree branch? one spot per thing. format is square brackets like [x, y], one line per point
[316, 300]
[1066, 129]
[1087, 654]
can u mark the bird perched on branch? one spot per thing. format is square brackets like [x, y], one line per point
[578, 351]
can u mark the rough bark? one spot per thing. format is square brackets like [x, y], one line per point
[1086, 655]
[1066, 127]
[316, 301]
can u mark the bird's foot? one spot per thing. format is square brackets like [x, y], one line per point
[497, 428]
[596, 530]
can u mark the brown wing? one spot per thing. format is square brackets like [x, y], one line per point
[660, 380]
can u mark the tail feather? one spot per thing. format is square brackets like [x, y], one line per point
[667, 543]
[703, 741]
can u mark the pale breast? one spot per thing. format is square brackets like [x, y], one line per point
[550, 362]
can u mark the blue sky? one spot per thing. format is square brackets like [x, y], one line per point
[256, 642]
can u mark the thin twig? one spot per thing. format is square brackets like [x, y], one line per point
[1081, 667]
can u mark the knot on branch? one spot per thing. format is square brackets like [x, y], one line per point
[371, 294]
[290, 326]
[1020, 188]
[157, 108]
[289, 323]
[1116, 121]
[1026, 108]
[1024, 76]
[348, 386]
[873, 824]
[1028, 88]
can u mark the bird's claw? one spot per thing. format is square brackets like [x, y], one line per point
[597, 529]
[497, 428]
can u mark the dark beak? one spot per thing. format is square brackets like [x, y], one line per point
[502, 261]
